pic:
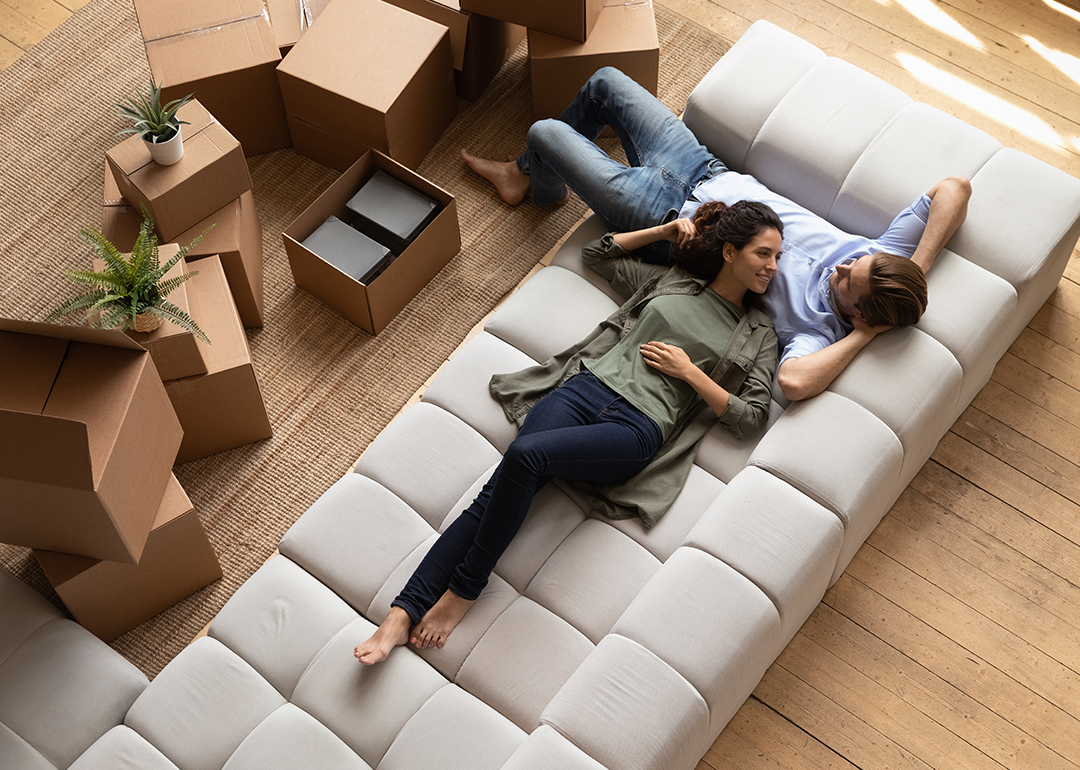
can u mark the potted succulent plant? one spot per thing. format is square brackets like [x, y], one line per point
[129, 292]
[156, 123]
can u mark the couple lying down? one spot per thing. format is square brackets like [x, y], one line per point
[728, 284]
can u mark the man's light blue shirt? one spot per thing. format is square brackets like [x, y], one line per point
[799, 299]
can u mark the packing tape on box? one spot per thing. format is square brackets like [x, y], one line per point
[616, 3]
[306, 19]
[212, 28]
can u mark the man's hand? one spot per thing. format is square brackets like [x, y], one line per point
[669, 359]
[863, 327]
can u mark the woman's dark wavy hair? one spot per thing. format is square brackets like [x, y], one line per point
[716, 224]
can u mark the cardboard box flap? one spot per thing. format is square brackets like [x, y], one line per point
[291, 18]
[621, 27]
[30, 365]
[109, 337]
[131, 155]
[205, 54]
[95, 387]
[450, 15]
[45, 450]
[164, 18]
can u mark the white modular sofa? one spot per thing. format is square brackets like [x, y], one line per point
[597, 643]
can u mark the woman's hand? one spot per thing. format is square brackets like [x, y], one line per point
[669, 359]
[680, 231]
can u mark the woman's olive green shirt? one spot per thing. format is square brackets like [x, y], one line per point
[745, 370]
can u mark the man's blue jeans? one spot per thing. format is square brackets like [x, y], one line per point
[581, 431]
[666, 159]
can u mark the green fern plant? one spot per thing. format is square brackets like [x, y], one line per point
[153, 121]
[129, 286]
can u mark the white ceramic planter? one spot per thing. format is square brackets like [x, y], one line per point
[169, 152]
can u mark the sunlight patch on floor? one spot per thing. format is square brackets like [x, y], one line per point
[992, 106]
[1066, 62]
[930, 14]
[1063, 9]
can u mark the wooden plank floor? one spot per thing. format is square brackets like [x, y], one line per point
[953, 639]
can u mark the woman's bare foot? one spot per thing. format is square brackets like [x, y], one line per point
[394, 631]
[510, 181]
[435, 627]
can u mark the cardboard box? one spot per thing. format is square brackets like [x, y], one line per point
[572, 19]
[223, 408]
[237, 239]
[290, 19]
[120, 221]
[624, 37]
[224, 52]
[480, 44]
[109, 599]
[87, 440]
[368, 75]
[173, 348]
[212, 173]
[373, 307]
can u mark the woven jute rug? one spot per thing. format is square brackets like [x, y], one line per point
[329, 386]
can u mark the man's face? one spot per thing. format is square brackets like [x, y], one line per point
[850, 282]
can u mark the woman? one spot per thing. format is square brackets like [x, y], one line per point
[619, 414]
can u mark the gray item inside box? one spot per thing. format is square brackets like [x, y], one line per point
[389, 211]
[349, 250]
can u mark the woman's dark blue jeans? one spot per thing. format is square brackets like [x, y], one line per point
[582, 431]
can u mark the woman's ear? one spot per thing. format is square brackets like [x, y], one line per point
[729, 252]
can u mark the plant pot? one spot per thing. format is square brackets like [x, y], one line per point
[168, 152]
[147, 322]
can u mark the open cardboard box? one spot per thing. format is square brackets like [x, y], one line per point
[480, 44]
[212, 173]
[572, 19]
[624, 37]
[225, 53]
[373, 307]
[223, 408]
[109, 599]
[87, 440]
[368, 75]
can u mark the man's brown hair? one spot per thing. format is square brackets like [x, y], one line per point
[897, 295]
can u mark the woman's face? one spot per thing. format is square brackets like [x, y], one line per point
[754, 265]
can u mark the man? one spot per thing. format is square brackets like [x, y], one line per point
[834, 292]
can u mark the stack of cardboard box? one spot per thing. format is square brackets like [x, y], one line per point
[224, 52]
[570, 39]
[85, 475]
[213, 387]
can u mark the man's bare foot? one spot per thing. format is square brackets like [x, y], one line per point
[510, 181]
[434, 628]
[394, 631]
